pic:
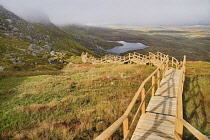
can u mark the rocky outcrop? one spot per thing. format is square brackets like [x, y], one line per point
[34, 49]
[18, 60]
[40, 43]
[51, 60]
[91, 44]
[3, 68]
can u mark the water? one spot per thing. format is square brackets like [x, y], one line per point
[126, 47]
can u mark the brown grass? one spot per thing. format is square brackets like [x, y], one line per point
[79, 103]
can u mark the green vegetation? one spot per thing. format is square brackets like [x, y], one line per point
[63, 40]
[192, 41]
[87, 36]
[16, 45]
[196, 97]
[82, 100]
[12, 48]
[78, 103]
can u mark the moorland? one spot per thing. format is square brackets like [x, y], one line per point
[68, 99]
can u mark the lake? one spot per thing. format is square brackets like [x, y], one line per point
[126, 47]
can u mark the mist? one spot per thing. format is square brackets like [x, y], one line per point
[114, 12]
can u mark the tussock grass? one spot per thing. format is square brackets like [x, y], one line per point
[78, 103]
[196, 97]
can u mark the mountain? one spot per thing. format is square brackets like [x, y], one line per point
[25, 43]
[36, 16]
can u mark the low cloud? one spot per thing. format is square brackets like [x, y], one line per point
[118, 12]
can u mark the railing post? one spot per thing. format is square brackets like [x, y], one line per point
[179, 112]
[125, 127]
[158, 76]
[153, 84]
[179, 125]
[163, 70]
[172, 61]
[143, 107]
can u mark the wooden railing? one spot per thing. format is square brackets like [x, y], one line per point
[193, 130]
[180, 122]
[142, 94]
[148, 86]
[86, 58]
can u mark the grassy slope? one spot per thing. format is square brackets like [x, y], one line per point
[196, 96]
[85, 99]
[34, 99]
[84, 36]
[78, 103]
[63, 40]
[19, 47]
[15, 44]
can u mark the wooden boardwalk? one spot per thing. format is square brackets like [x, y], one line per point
[159, 120]
[129, 58]
[163, 116]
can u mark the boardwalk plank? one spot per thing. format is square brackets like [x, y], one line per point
[167, 91]
[159, 120]
[154, 126]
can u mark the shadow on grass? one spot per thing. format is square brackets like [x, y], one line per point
[194, 109]
[9, 95]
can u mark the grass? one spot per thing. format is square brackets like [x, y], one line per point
[78, 103]
[196, 97]
[82, 100]
[12, 47]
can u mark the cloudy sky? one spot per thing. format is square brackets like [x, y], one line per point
[117, 12]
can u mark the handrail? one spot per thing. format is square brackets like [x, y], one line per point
[141, 91]
[155, 78]
[180, 122]
[86, 58]
[179, 109]
[194, 131]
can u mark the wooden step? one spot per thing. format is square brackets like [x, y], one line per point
[169, 84]
[163, 105]
[137, 61]
[171, 79]
[155, 62]
[154, 126]
[173, 73]
[159, 120]
[167, 91]
[151, 135]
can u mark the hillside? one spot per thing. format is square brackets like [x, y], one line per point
[196, 98]
[82, 100]
[78, 103]
[83, 35]
[192, 41]
[31, 44]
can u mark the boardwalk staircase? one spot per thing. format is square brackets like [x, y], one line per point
[162, 116]
[129, 58]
